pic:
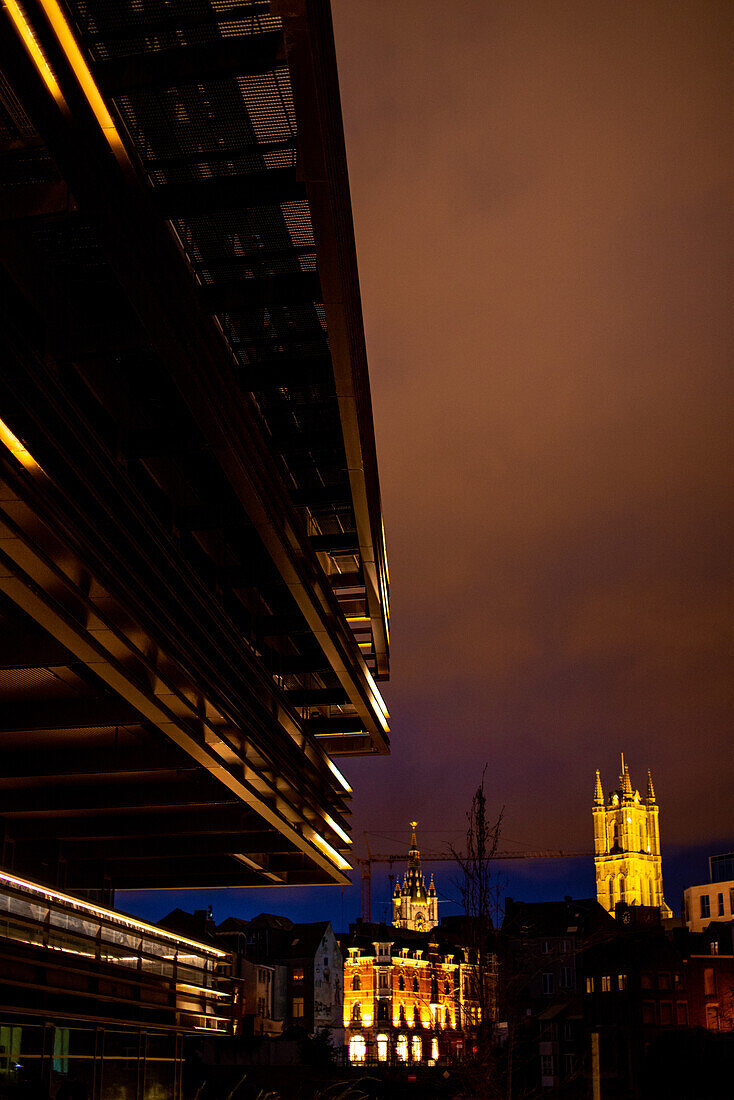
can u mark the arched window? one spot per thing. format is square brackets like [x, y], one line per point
[417, 1048]
[447, 988]
[611, 892]
[416, 1016]
[382, 1047]
[403, 1048]
[356, 983]
[434, 1049]
[357, 1048]
[382, 1013]
[356, 1012]
[401, 983]
[403, 1021]
[415, 984]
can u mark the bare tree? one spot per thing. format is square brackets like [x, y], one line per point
[479, 894]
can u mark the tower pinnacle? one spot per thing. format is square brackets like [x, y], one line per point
[650, 788]
[598, 792]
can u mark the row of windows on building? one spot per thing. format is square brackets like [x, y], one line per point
[606, 983]
[566, 980]
[705, 904]
[548, 1067]
[414, 1051]
[439, 1015]
[384, 984]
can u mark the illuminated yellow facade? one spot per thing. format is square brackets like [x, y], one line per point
[627, 846]
[400, 1002]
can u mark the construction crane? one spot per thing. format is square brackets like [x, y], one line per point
[367, 861]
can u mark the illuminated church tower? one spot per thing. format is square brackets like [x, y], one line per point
[412, 905]
[627, 846]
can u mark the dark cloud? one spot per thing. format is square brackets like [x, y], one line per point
[542, 196]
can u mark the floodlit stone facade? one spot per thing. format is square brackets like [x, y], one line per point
[627, 846]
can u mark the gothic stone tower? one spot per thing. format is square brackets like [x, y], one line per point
[627, 846]
[412, 905]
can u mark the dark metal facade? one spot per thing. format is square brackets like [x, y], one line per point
[193, 580]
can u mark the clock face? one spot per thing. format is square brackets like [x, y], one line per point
[626, 917]
[420, 921]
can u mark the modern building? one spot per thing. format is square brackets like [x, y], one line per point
[415, 906]
[193, 577]
[627, 855]
[713, 901]
[96, 1003]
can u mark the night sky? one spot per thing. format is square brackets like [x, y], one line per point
[542, 197]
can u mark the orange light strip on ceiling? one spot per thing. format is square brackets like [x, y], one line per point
[17, 449]
[28, 39]
[68, 44]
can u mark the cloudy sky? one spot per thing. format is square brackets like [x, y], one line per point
[542, 196]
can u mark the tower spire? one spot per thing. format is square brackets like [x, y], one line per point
[626, 783]
[598, 792]
[650, 788]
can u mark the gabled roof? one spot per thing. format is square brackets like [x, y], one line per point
[303, 940]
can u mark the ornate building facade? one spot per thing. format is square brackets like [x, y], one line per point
[401, 998]
[413, 906]
[627, 846]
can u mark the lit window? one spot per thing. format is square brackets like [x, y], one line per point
[606, 983]
[434, 1049]
[417, 1048]
[589, 985]
[622, 980]
[382, 1047]
[403, 1048]
[357, 1048]
[297, 1008]
[297, 974]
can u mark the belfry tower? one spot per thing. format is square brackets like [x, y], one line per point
[627, 846]
[412, 905]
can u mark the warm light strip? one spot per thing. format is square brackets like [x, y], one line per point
[329, 852]
[25, 31]
[202, 989]
[107, 914]
[337, 829]
[339, 776]
[358, 619]
[68, 44]
[16, 448]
